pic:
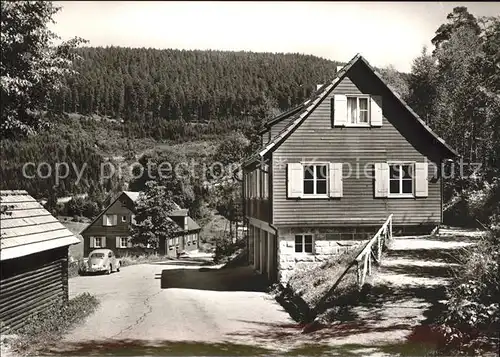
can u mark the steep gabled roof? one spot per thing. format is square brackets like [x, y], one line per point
[318, 97]
[286, 114]
[28, 228]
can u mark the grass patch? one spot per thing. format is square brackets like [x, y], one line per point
[308, 293]
[52, 324]
[128, 260]
[313, 283]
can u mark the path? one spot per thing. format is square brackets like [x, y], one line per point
[169, 309]
[150, 305]
[407, 292]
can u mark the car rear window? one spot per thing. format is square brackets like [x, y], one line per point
[97, 255]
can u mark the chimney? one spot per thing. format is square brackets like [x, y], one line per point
[318, 86]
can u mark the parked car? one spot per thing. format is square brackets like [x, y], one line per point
[101, 261]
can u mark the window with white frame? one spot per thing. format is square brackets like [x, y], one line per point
[304, 243]
[109, 220]
[123, 242]
[315, 179]
[98, 242]
[358, 111]
[401, 179]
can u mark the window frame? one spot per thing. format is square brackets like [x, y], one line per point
[110, 222]
[358, 110]
[303, 244]
[124, 218]
[400, 180]
[100, 242]
[327, 178]
[121, 242]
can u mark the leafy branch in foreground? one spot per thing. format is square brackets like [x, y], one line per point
[31, 66]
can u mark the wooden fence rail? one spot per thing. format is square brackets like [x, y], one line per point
[373, 251]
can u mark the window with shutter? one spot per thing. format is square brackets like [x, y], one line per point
[401, 179]
[381, 179]
[294, 180]
[336, 183]
[315, 179]
[421, 179]
[376, 115]
[339, 110]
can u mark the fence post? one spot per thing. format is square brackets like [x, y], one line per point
[369, 261]
[390, 227]
[358, 274]
[379, 250]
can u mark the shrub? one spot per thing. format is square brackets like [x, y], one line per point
[225, 248]
[472, 319]
[51, 324]
[127, 260]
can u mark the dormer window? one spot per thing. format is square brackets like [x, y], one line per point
[358, 111]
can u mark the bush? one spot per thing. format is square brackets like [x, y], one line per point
[51, 324]
[225, 248]
[127, 260]
[472, 319]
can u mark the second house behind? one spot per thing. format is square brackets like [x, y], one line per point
[111, 229]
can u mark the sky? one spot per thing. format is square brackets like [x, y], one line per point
[383, 32]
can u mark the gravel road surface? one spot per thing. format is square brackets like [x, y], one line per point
[166, 302]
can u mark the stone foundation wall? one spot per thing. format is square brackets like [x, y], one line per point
[329, 242]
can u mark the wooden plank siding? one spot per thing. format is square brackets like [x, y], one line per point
[258, 208]
[399, 138]
[32, 284]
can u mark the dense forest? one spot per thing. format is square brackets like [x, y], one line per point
[148, 88]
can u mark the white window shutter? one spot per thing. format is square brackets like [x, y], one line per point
[295, 180]
[340, 110]
[104, 220]
[376, 110]
[92, 242]
[115, 219]
[335, 180]
[129, 242]
[421, 179]
[381, 179]
[117, 241]
[103, 239]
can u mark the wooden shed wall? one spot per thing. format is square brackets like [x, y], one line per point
[31, 284]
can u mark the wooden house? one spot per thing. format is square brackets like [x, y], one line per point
[33, 257]
[331, 170]
[111, 229]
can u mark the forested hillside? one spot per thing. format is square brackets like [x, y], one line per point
[147, 87]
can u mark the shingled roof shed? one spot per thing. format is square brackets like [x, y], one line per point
[33, 256]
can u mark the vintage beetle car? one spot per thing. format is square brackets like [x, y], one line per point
[101, 260]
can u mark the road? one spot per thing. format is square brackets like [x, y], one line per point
[149, 305]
